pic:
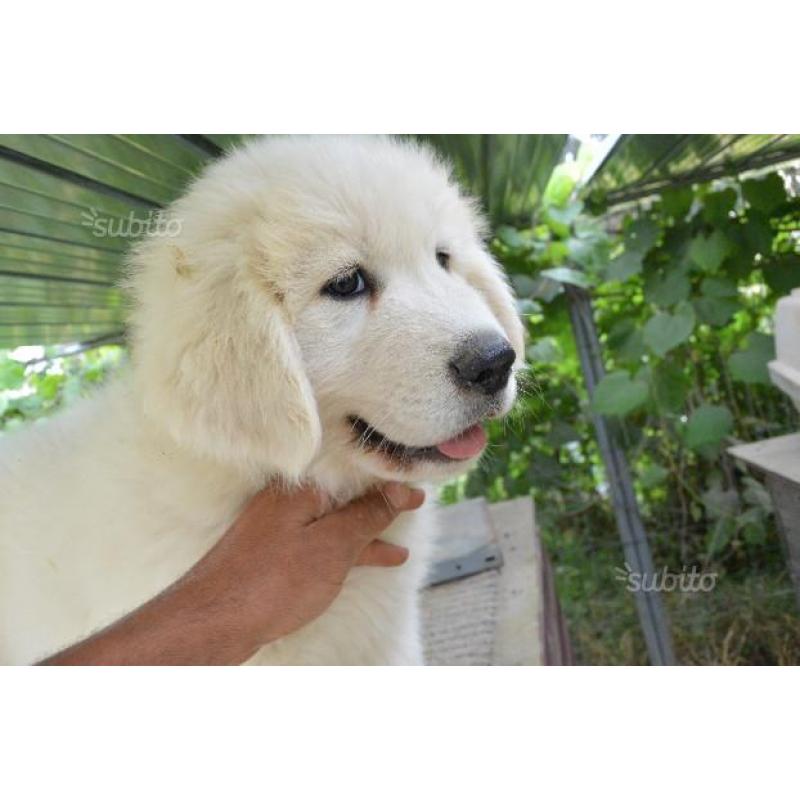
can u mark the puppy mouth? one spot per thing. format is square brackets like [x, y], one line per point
[466, 445]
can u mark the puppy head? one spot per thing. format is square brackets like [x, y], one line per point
[327, 296]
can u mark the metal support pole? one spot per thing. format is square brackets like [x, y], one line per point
[636, 547]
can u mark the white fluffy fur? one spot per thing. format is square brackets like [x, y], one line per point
[242, 372]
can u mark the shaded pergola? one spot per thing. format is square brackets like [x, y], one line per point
[640, 165]
[59, 278]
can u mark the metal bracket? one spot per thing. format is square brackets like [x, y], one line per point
[452, 569]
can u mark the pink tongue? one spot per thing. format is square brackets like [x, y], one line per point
[465, 445]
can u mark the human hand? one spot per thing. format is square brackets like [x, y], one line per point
[284, 561]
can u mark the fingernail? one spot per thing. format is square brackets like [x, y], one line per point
[417, 497]
[398, 493]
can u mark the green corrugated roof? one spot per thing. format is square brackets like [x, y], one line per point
[643, 164]
[58, 278]
[508, 172]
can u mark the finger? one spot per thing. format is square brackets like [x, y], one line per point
[301, 504]
[382, 554]
[402, 496]
[367, 517]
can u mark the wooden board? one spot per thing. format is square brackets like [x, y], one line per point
[779, 459]
[519, 635]
[459, 617]
[777, 456]
[507, 615]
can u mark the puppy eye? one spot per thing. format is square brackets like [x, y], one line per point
[443, 258]
[351, 284]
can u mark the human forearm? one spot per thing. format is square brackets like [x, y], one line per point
[184, 625]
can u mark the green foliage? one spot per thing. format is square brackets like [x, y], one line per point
[12, 373]
[49, 381]
[664, 331]
[765, 195]
[684, 292]
[750, 364]
[619, 394]
[708, 251]
[707, 427]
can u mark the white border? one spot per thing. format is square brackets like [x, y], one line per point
[404, 733]
[358, 66]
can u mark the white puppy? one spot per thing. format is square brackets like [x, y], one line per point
[328, 313]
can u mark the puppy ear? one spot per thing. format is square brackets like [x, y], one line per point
[486, 275]
[218, 366]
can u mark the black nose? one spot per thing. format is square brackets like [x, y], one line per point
[483, 363]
